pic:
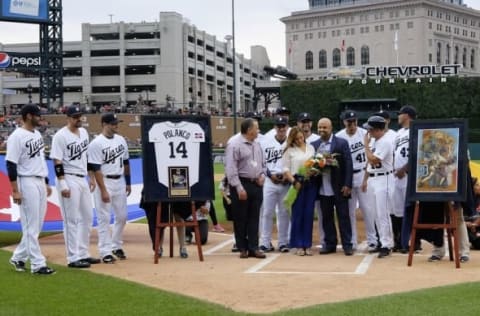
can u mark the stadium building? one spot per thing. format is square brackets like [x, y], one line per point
[340, 38]
[169, 64]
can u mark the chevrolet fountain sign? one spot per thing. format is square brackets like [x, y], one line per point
[419, 74]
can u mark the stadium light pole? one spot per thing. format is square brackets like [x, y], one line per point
[234, 98]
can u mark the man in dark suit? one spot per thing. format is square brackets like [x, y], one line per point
[335, 189]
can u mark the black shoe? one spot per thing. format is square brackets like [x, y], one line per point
[434, 258]
[91, 260]
[79, 264]
[403, 250]
[348, 252]
[44, 271]
[372, 248]
[119, 254]
[266, 249]
[327, 251]
[108, 259]
[188, 238]
[283, 248]
[19, 265]
[464, 259]
[235, 249]
[384, 252]
[183, 253]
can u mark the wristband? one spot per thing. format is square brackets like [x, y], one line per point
[63, 185]
[128, 179]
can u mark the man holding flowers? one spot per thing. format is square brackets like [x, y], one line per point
[335, 187]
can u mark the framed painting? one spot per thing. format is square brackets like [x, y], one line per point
[438, 160]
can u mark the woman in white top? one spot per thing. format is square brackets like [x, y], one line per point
[295, 155]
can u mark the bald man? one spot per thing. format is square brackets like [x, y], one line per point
[335, 189]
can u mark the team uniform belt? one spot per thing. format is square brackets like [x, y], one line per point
[113, 176]
[357, 170]
[76, 175]
[379, 174]
[39, 177]
[252, 180]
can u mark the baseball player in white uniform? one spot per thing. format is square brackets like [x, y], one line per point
[378, 180]
[274, 190]
[405, 116]
[281, 112]
[108, 158]
[28, 175]
[355, 136]
[69, 154]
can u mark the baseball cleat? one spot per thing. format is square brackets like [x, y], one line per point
[119, 254]
[108, 259]
[19, 265]
[44, 271]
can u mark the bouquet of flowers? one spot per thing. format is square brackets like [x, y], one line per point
[314, 166]
[317, 164]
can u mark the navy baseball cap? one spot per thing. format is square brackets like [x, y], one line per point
[74, 110]
[279, 121]
[375, 121]
[304, 117]
[349, 115]
[254, 115]
[30, 109]
[283, 110]
[383, 114]
[409, 110]
[110, 118]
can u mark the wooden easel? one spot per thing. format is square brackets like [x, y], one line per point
[171, 223]
[449, 223]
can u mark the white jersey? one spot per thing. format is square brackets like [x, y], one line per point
[26, 150]
[401, 148]
[71, 150]
[382, 149]
[313, 137]
[391, 135]
[357, 147]
[110, 153]
[273, 151]
[177, 145]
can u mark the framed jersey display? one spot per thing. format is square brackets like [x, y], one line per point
[438, 160]
[177, 158]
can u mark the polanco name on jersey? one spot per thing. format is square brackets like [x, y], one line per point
[177, 133]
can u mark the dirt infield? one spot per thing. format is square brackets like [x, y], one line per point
[282, 281]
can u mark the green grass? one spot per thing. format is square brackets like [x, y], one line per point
[74, 292]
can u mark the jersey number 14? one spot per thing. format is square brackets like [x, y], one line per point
[180, 149]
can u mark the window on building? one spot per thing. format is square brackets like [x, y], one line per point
[309, 60]
[439, 53]
[322, 59]
[447, 54]
[410, 25]
[350, 56]
[365, 55]
[336, 59]
[464, 57]
[430, 58]
[472, 59]
[455, 55]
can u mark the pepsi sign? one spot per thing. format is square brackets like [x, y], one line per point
[22, 61]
